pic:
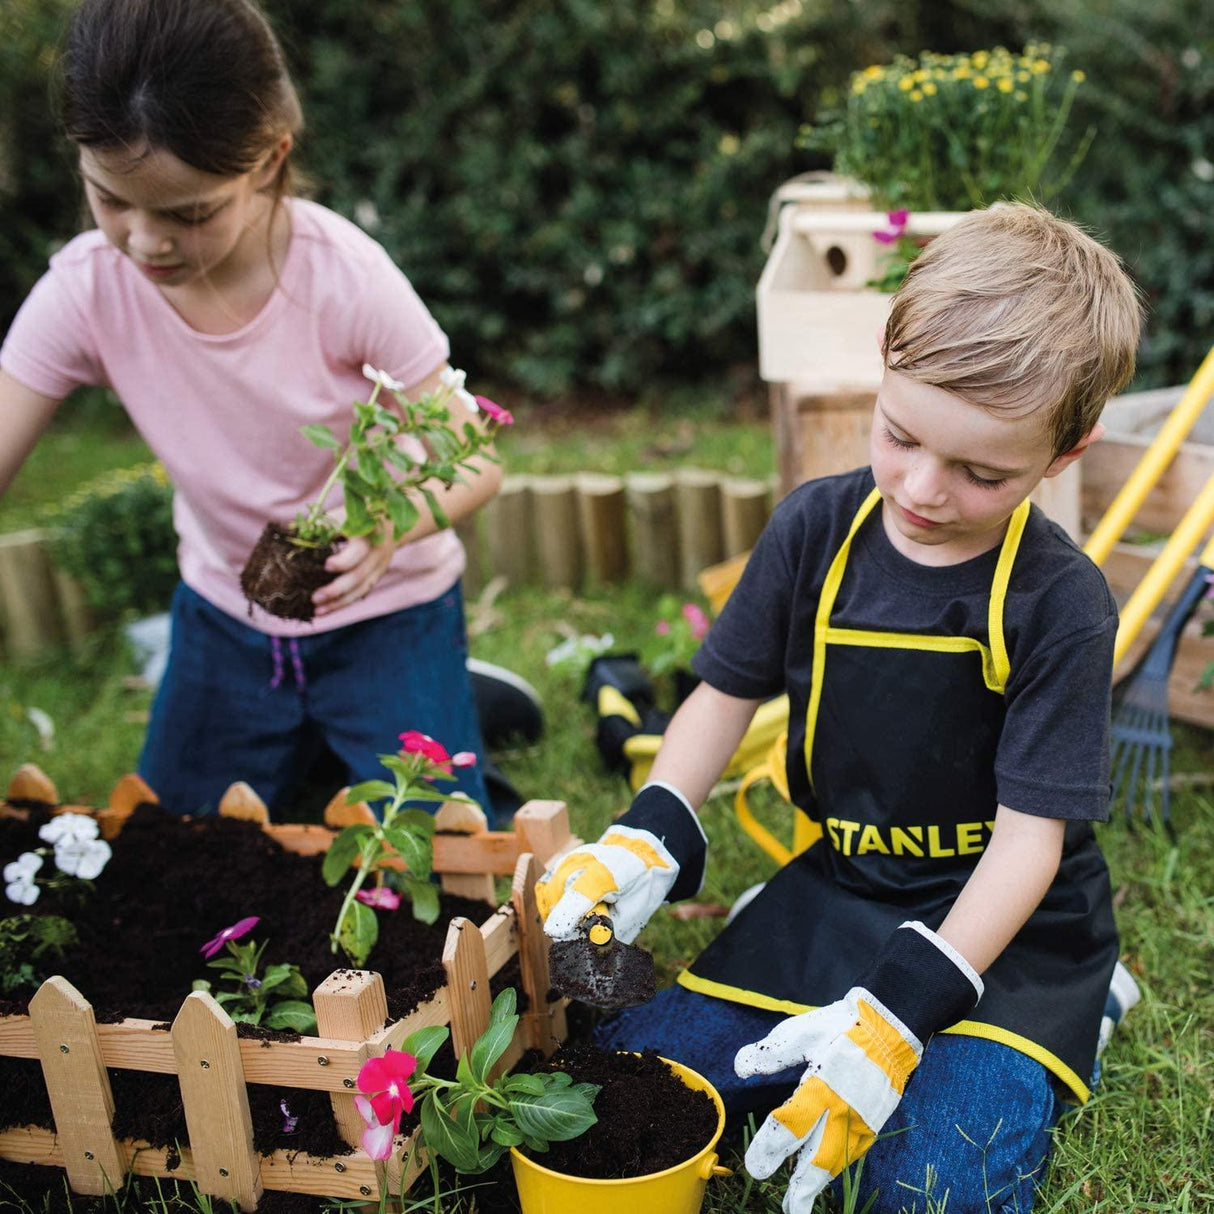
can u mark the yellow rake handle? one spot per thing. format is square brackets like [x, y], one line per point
[1189, 533]
[1150, 467]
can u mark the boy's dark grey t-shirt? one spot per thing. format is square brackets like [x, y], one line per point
[1059, 625]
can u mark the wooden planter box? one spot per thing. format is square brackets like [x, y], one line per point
[214, 1066]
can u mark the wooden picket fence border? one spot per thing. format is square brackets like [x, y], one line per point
[214, 1066]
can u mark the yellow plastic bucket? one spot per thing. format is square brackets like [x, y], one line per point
[677, 1190]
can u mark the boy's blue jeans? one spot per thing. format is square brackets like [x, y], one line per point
[975, 1119]
[235, 704]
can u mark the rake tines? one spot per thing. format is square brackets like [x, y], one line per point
[1142, 742]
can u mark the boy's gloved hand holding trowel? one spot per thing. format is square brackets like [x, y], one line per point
[595, 900]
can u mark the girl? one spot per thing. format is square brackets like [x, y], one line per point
[227, 313]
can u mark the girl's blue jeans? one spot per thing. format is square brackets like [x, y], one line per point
[975, 1121]
[235, 704]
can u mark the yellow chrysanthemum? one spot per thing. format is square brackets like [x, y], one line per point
[1078, 77]
[916, 95]
[980, 59]
[875, 72]
[1040, 65]
[981, 82]
[1003, 84]
[1021, 95]
[906, 84]
[930, 89]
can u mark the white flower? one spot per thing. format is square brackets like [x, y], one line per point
[382, 378]
[453, 381]
[19, 879]
[69, 828]
[42, 722]
[83, 859]
[579, 648]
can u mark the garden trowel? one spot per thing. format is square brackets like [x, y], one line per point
[600, 970]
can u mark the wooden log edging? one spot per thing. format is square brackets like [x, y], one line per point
[214, 1066]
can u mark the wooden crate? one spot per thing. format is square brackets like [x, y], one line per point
[214, 1066]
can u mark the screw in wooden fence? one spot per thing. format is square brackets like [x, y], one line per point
[339, 1167]
[347, 1083]
[322, 1061]
[63, 1049]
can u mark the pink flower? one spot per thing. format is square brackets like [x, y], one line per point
[697, 619]
[413, 742]
[383, 897]
[383, 1081]
[240, 928]
[503, 417]
[463, 758]
[897, 226]
[662, 628]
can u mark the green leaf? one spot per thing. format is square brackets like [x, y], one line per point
[423, 1044]
[414, 851]
[491, 1045]
[342, 851]
[532, 1085]
[358, 518]
[435, 509]
[506, 1134]
[417, 820]
[358, 932]
[403, 513]
[448, 1138]
[320, 436]
[559, 1114]
[370, 790]
[424, 897]
[504, 1006]
[291, 1014]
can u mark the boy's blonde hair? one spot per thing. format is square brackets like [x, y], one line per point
[1016, 310]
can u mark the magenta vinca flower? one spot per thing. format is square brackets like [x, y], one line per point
[385, 1096]
[242, 927]
[383, 897]
[493, 410]
[414, 742]
[897, 227]
[694, 615]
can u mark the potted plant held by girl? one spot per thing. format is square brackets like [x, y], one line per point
[391, 458]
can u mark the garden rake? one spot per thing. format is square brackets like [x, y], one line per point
[1142, 741]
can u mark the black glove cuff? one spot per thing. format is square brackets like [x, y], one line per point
[915, 977]
[666, 815]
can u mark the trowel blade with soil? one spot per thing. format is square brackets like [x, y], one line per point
[600, 970]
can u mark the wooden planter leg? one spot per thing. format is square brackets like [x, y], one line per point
[350, 1006]
[465, 818]
[544, 1024]
[468, 979]
[78, 1087]
[216, 1102]
[543, 829]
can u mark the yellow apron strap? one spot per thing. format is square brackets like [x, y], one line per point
[749, 823]
[826, 604]
[1003, 575]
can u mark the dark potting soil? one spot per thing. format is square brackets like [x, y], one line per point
[170, 886]
[280, 575]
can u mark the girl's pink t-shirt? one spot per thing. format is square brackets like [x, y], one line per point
[223, 412]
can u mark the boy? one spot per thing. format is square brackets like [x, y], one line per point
[947, 652]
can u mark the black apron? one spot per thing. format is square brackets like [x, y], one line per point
[900, 744]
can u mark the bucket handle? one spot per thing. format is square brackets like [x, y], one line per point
[710, 1168]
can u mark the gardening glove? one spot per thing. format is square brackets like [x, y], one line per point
[861, 1050]
[653, 854]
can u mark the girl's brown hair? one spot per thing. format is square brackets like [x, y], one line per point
[203, 79]
[1016, 310]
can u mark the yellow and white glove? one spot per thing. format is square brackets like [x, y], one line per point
[653, 854]
[861, 1051]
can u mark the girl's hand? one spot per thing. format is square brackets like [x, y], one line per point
[359, 564]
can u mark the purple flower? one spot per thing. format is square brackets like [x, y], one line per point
[288, 1122]
[897, 227]
[240, 928]
[383, 897]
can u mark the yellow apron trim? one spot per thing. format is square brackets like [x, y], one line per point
[826, 603]
[963, 1028]
[913, 640]
[999, 585]
[995, 664]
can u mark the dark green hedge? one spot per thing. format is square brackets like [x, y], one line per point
[577, 187]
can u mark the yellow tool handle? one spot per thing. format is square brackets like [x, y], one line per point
[600, 934]
[1154, 460]
[1197, 521]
